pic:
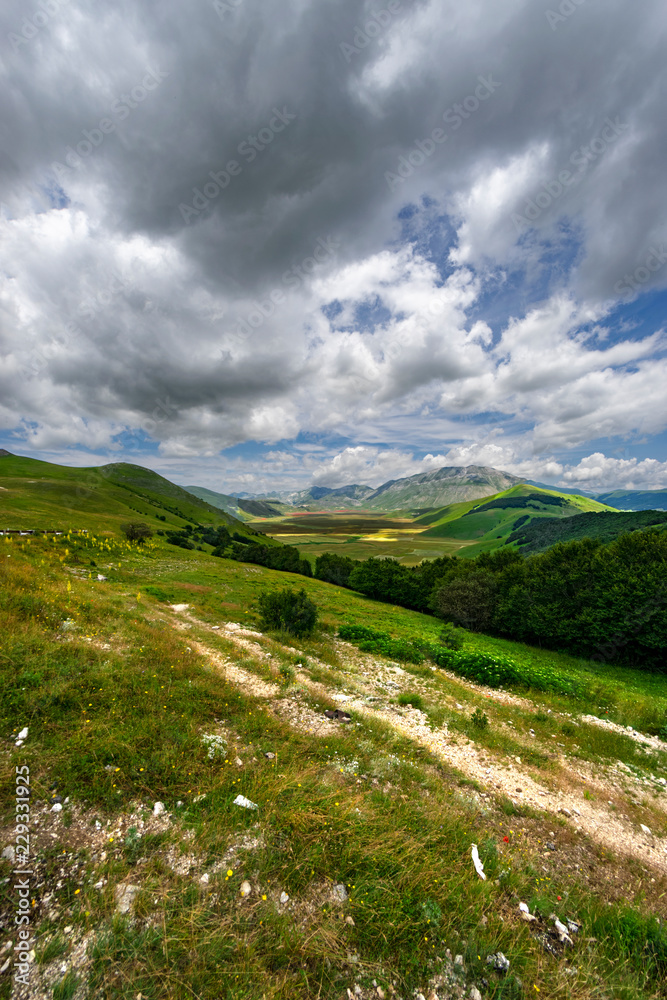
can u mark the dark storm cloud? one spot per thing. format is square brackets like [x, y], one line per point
[165, 166]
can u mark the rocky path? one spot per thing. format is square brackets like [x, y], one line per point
[557, 792]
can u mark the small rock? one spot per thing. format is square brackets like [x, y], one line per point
[238, 762]
[179, 804]
[269, 755]
[158, 808]
[564, 811]
[474, 993]
[550, 845]
[9, 853]
[241, 800]
[101, 578]
[5, 966]
[572, 927]
[340, 893]
[518, 760]
[458, 960]
[246, 889]
[459, 706]
[645, 829]
[380, 992]
[57, 808]
[499, 962]
[68, 929]
[23, 734]
[124, 897]
[206, 878]
[350, 921]
[283, 898]
[199, 798]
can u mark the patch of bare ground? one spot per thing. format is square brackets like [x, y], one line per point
[558, 794]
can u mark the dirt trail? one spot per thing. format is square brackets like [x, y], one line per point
[559, 793]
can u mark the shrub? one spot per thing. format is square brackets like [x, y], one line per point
[415, 700]
[288, 610]
[136, 531]
[479, 719]
[450, 636]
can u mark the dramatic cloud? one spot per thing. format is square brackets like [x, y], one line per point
[343, 242]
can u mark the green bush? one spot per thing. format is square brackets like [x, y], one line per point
[287, 610]
[136, 531]
[450, 636]
[479, 719]
[494, 671]
[415, 700]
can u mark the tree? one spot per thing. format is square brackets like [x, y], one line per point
[468, 601]
[136, 531]
[288, 611]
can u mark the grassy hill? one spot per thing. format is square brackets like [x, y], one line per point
[240, 508]
[35, 494]
[352, 873]
[541, 533]
[635, 499]
[490, 523]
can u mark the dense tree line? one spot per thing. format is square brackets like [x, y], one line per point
[607, 602]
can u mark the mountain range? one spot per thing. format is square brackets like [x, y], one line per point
[424, 491]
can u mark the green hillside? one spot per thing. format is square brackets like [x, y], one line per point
[541, 533]
[490, 523]
[35, 494]
[635, 499]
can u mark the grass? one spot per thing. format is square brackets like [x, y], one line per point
[117, 703]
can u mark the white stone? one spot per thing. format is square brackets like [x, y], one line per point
[645, 829]
[57, 807]
[246, 889]
[474, 993]
[158, 808]
[23, 734]
[125, 895]
[241, 800]
[340, 893]
[205, 878]
[283, 897]
[9, 853]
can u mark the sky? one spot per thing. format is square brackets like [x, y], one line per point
[262, 246]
